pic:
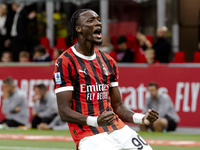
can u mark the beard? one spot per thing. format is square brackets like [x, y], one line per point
[98, 43]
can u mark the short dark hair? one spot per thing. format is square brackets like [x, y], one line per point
[41, 87]
[9, 81]
[72, 24]
[153, 84]
[121, 39]
[40, 49]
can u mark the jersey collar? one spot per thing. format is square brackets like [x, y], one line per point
[83, 56]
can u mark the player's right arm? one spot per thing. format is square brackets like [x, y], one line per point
[64, 101]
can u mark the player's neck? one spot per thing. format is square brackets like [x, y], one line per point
[86, 48]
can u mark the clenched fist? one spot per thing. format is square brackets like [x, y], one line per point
[106, 118]
[150, 117]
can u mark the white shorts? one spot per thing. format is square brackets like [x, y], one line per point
[123, 139]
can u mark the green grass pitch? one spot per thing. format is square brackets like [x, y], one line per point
[54, 145]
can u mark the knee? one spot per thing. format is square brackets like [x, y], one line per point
[160, 124]
[142, 127]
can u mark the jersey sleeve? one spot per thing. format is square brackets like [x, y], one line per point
[62, 76]
[115, 75]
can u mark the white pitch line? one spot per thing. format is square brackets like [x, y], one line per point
[31, 148]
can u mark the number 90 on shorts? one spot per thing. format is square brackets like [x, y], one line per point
[123, 139]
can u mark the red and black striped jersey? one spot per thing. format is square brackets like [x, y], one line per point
[89, 77]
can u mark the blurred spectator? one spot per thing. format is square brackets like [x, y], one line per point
[56, 124]
[4, 26]
[162, 46]
[162, 103]
[56, 54]
[3, 16]
[106, 45]
[123, 54]
[6, 56]
[15, 105]
[45, 107]
[24, 56]
[18, 35]
[40, 54]
[150, 56]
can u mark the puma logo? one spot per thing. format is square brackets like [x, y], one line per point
[84, 71]
[57, 64]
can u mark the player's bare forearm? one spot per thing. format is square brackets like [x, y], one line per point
[71, 116]
[64, 101]
[124, 113]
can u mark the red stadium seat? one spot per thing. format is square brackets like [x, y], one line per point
[150, 38]
[113, 41]
[139, 56]
[196, 56]
[179, 57]
[45, 42]
[113, 54]
[61, 43]
[131, 41]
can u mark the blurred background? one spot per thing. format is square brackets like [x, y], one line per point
[126, 17]
[33, 33]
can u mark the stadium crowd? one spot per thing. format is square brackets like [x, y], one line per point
[22, 29]
[18, 42]
[18, 39]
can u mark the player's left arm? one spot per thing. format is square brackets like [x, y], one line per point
[124, 113]
[128, 115]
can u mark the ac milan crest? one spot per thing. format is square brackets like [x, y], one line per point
[105, 71]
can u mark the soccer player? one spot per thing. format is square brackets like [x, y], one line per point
[87, 92]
